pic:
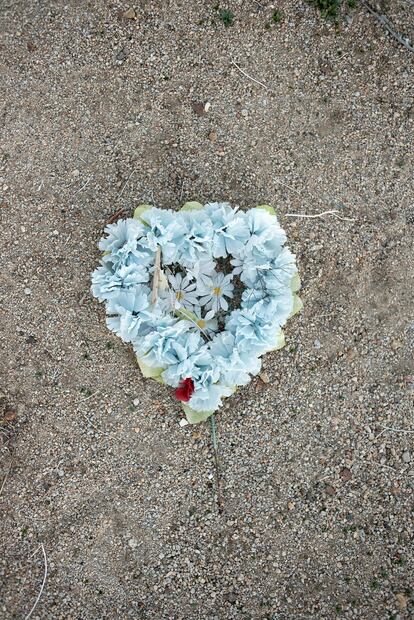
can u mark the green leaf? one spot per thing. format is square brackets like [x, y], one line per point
[186, 315]
[192, 206]
[295, 283]
[139, 211]
[149, 372]
[280, 342]
[267, 208]
[193, 417]
[297, 305]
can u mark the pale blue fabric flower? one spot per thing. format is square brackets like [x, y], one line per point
[195, 244]
[181, 355]
[154, 346]
[164, 229]
[253, 335]
[207, 392]
[250, 267]
[213, 290]
[205, 372]
[279, 273]
[266, 236]
[270, 295]
[106, 282]
[269, 307]
[123, 232]
[123, 244]
[209, 398]
[230, 229]
[131, 310]
[235, 366]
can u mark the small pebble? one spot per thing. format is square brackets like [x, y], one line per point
[133, 543]
[401, 600]
[129, 14]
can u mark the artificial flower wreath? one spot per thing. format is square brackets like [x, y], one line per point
[201, 294]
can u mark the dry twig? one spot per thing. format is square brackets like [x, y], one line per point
[394, 430]
[5, 478]
[334, 212]
[125, 184]
[248, 76]
[83, 186]
[82, 400]
[43, 582]
[116, 215]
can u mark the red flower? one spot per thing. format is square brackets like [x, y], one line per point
[185, 390]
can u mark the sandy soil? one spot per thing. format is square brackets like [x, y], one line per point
[101, 113]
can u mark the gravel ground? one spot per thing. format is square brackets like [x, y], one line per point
[101, 112]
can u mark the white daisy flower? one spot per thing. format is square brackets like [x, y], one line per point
[208, 327]
[213, 290]
[205, 325]
[181, 292]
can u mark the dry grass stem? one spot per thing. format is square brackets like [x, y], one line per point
[248, 76]
[395, 430]
[5, 478]
[334, 212]
[83, 186]
[43, 582]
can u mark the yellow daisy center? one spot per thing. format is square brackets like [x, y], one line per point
[179, 295]
[201, 323]
[217, 291]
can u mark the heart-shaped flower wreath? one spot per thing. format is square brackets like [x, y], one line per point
[172, 282]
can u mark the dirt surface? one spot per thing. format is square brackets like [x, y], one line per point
[100, 113]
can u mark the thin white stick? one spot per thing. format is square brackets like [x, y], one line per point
[83, 186]
[156, 276]
[291, 188]
[126, 183]
[334, 212]
[42, 586]
[395, 430]
[248, 76]
[82, 400]
[5, 478]
[182, 189]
